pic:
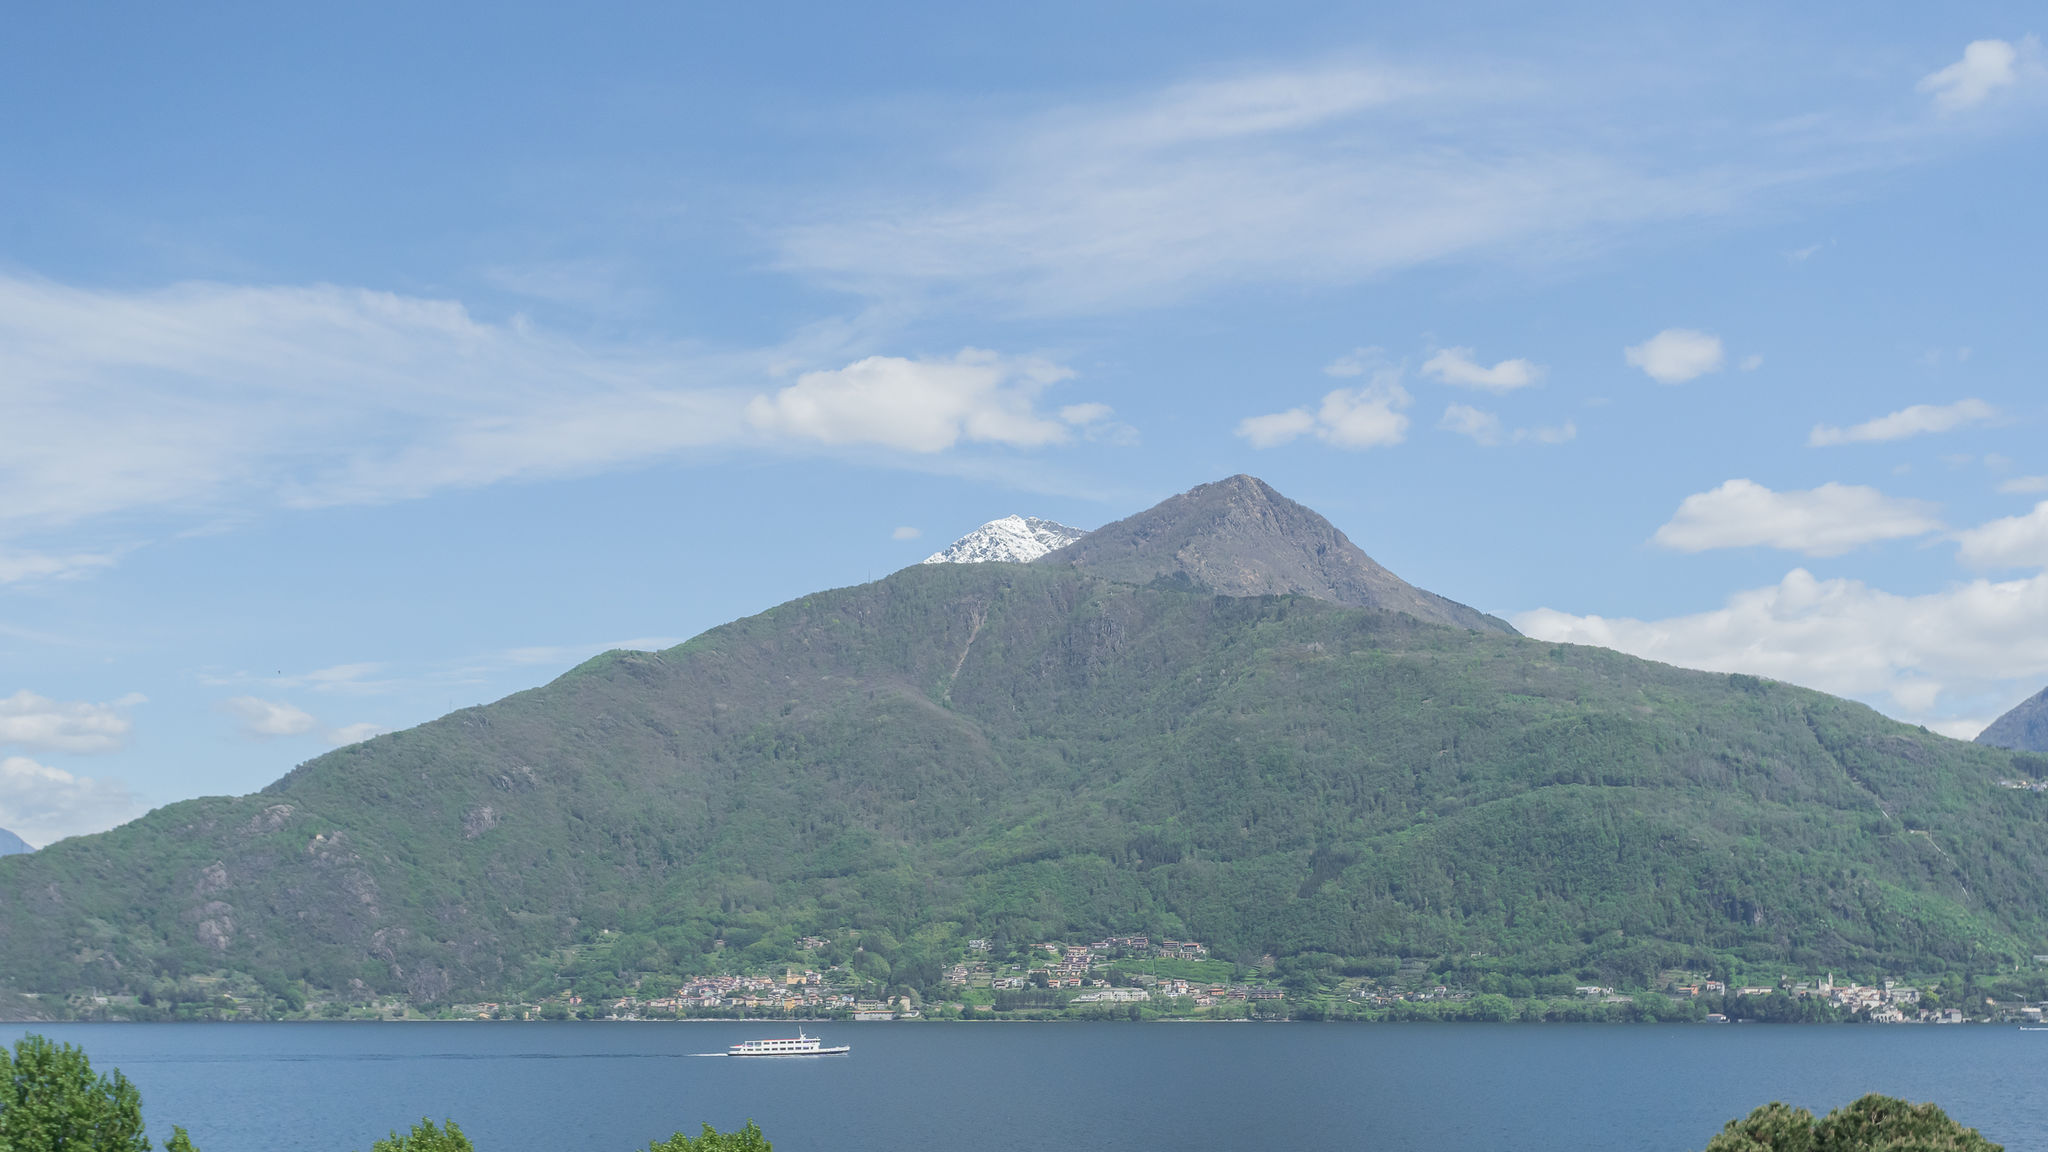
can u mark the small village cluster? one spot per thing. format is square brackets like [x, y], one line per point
[1127, 971]
[1071, 965]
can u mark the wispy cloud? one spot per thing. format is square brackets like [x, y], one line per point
[27, 567]
[1486, 430]
[200, 399]
[1320, 173]
[1458, 367]
[1917, 420]
[1465, 420]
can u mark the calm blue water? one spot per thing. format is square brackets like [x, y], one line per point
[998, 1088]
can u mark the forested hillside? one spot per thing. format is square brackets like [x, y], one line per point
[1029, 751]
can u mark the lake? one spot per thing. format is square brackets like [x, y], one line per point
[584, 1087]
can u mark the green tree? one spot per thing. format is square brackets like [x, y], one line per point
[748, 1139]
[426, 1136]
[1775, 1127]
[1892, 1125]
[52, 1101]
[1872, 1124]
[1492, 1007]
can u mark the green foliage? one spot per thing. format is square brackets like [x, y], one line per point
[52, 1101]
[1028, 753]
[1872, 1124]
[1884, 1124]
[1775, 1127]
[180, 1141]
[426, 1136]
[747, 1139]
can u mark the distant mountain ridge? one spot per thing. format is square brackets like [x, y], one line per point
[1010, 540]
[1172, 727]
[1239, 537]
[2024, 729]
[12, 845]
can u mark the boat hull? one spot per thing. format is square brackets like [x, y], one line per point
[839, 1051]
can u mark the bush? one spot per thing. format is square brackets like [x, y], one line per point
[1873, 1124]
[748, 1139]
[426, 1137]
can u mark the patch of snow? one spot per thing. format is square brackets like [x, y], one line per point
[1011, 540]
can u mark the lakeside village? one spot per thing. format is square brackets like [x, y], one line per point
[1137, 978]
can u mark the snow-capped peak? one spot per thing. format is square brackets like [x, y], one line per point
[1011, 540]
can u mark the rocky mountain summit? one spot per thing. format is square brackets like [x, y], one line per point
[1239, 537]
[12, 845]
[2024, 729]
[1010, 540]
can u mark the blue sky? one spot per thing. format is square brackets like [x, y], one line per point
[357, 366]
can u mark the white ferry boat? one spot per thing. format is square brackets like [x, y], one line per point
[801, 1046]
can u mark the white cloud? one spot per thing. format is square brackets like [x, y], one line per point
[1081, 415]
[1456, 366]
[2008, 542]
[1939, 657]
[2023, 485]
[260, 717]
[354, 733]
[272, 718]
[1824, 521]
[1368, 417]
[43, 804]
[1483, 427]
[1914, 421]
[1751, 363]
[1986, 67]
[1553, 434]
[1676, 355]
[906, 532]
[34, 721]
[1278, 428]
[918, 405]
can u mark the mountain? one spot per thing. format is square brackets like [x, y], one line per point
[1011, 540]
[1239, 537]
[11, 845]
[1033, 752]
[2024, 728]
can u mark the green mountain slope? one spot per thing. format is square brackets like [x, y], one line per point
[1030, 751]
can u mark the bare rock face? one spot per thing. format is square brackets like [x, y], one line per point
[2023, 729]
[1238, 537]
